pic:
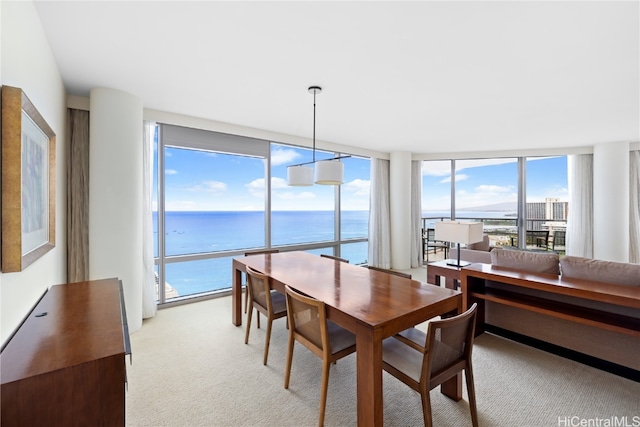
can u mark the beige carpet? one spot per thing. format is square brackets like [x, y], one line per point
[192, 368]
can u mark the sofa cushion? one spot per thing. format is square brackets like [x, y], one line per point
[596, 270]
[470, 256]
[484, 245]
[534, 262]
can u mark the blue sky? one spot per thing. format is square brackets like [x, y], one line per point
[202, 181]
[485, 182]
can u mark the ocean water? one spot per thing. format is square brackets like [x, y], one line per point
[202, 232]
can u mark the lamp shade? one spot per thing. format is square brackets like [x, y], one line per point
[459, 232]
[329, 172]
[300, 176]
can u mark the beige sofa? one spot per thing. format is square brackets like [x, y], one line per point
[475, 252]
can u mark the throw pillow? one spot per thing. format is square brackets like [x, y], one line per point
[619, 273]
[484, 245]
[534, 262]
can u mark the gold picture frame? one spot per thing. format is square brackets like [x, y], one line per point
[28, 182]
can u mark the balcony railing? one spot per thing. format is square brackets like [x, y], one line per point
[504, 231]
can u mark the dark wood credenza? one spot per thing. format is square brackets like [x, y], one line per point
[65, 364]
[600, 320]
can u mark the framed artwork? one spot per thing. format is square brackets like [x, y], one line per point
[28, 182]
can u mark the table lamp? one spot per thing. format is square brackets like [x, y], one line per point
[458, 232]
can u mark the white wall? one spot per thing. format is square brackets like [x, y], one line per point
[115, 195]
[611, 201]
[27, 62]
[400, 209]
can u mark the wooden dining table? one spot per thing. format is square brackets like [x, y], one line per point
[374, 305]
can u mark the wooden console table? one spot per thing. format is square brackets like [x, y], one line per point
[65, 364]
[597, 319]
[438, 269]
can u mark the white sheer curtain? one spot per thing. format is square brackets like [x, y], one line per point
[149, 305]
[634, 207]
[416, 214]
[379, 215]
[580, 219]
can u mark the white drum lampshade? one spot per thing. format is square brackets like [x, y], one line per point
[459, 232]
[300, 176]
[329, 172]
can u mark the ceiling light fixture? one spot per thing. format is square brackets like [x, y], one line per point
[327, 172]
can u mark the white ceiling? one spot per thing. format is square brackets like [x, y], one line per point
[424, 77]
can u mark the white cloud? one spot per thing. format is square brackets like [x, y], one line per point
[256, 187]
[443, 167]
[436, 168]
[483, 195]
[170, 172]
[209, 187]
[474, 163]
[278, 183]
[459, 177]
[357, 187]
[281, 156]
[494, 189]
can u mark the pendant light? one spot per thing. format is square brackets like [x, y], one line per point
[327, 172]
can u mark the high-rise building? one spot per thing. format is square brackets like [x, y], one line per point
[552, 209]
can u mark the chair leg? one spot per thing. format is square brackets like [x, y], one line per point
[426, 406]
[246, 336]
[287, 374]
[471, 391]
[246, 298]
[323, 390]
[247, 303]
[267, 339]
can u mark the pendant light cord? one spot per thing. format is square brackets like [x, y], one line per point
[314, 125]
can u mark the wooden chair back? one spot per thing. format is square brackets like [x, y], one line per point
[271, 304]
[335, 258]
[447, 352]
[308, 324]
[387, 270]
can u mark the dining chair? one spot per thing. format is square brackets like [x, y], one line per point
[337, 258]
[446, 352]
[258, 252]
[387, 270]
[270, 303]
[308, 324]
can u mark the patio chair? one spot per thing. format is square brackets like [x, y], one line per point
[559, 240]
[429, 242]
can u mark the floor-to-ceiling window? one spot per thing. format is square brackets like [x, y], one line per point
[217, 196]
[323, 218]
[354, 210]
[487, 190]
[211, 205]
[436, 190]
[547, 203]
[300, 215]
